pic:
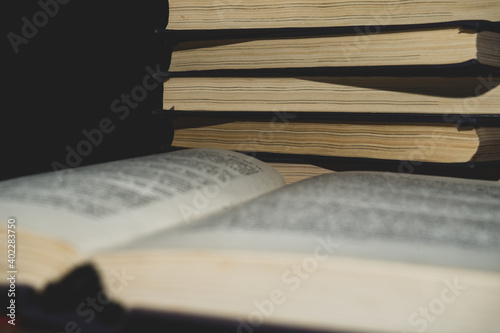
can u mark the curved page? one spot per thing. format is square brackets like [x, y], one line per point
[106, 205]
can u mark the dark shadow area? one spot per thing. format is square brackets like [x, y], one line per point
[430, 86]
[194, 122]
[341, 32]
[199, 35]
[478, 170]
[34, 317]
[471, 68]
[214, 117]
[80, 85]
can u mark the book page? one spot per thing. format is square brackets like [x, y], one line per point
[105, 205]
[258, 14]
[411, 218]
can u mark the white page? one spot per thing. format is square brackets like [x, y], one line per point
[109, 204]
[421, 219]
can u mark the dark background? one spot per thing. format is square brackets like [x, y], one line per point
[64, 80]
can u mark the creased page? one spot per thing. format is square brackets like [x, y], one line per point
[105, 205]
[346, 252]
[408, 218]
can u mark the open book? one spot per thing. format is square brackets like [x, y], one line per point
[216, 234]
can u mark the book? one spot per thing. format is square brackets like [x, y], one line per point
[295, 167]
[408, 141]
[294, 172]
[330, 94]
[420, 45]
[260, 14]
[214, 234]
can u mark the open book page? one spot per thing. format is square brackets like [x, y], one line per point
[109, 204]
[420, 219]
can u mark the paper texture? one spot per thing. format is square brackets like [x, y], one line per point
[103, 205]
[414, 218]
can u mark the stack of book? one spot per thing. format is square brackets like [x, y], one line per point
[404, 81]
[212, 240]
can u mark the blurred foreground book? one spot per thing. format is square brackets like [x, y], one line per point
[216, 236]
